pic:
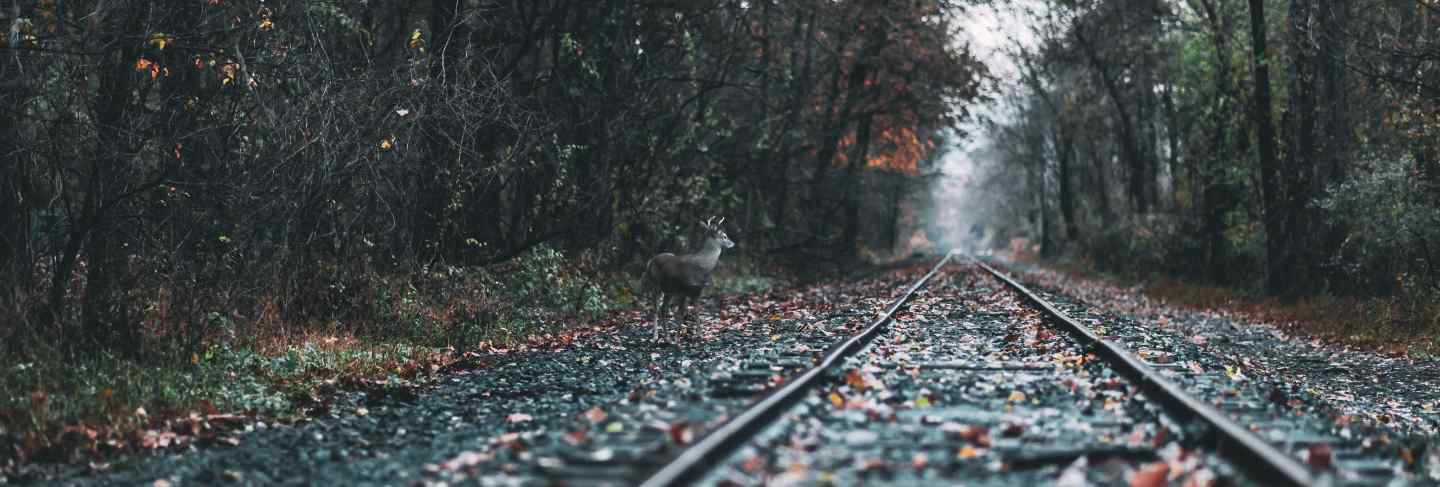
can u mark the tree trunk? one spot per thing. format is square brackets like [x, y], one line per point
[1042, 205]
[15, 213]
[799, 93]
[1064, 153]
[1216, 196]
[1102, 186]
[1129, 146]
[1299, 165]
[1276, 275]
[105, 312]
[1335, 128]
[432, 188]
[854, 194]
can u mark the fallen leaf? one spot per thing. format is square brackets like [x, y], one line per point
[519, 418]
[975, 435]
[854, 379]
[1319, 456]
[753, 464]
[467, 459]
[1152, 475]
[595, 414]
[681, 433]
[1161, 436]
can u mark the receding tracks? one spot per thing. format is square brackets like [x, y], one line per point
[696, 460]
[1229, 439]
[1220, 435]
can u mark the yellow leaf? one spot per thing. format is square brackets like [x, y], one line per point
[922, 402]
[415, 39]
[195, 359]
[837, 399]
[229, 71]
[387, 143]
[266, 24]
[1017, 396]
[159, 41]
[968, 451]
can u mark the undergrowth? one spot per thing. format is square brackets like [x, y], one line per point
[62, 404]
[1395, 324]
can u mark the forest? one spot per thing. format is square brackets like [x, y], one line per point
[192, 188]
[1283, 148]
[173, 165]
[229, 203]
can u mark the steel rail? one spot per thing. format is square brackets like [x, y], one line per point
[714, 447]
[1231, 440]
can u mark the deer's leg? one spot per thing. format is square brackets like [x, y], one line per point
[658, 315]
[684, 314]
[690, 315]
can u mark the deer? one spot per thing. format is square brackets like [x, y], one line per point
[683, 277]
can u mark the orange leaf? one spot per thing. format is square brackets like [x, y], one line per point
[968, 451]
[1152, 475]
[854, 379]
[143, 64]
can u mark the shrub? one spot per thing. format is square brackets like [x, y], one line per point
[1392, 226]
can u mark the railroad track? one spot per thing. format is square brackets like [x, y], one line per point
[970, 384]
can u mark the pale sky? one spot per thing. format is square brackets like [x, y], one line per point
[990, 30]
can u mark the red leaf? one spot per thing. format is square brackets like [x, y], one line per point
[681, 433]
[1319, 456]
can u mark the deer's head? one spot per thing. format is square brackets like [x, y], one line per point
[715, 231]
